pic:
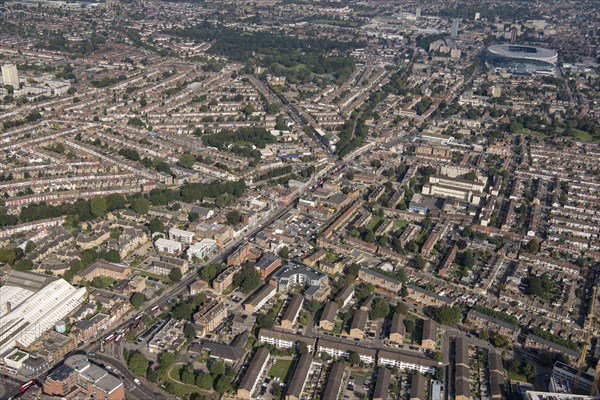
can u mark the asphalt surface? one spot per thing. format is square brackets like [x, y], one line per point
[143, 391]
[8, 388]
[147, 390]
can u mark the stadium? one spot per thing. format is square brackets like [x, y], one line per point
[522, 59]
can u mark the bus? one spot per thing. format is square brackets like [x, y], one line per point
[109, 338]
[119, 337]
[154, 309]
[26, 386]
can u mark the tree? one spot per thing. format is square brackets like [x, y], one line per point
[182, 311]
[365, 292]
[248, 109]
[115, 201]
[410, 325]
[248, 279]
[217, 368]
[484, 335]
[23, 264]
[204, 381]
[187, 160]
[137, 363]
[369, 236]
[500, 341]
[167, 359]
[285, 252]
[402, 308]
[533, 246]
[419, 262]
[175, 275]
[438, 356]
[156, 225]
[234, 217]
[223, 384]
[187, 376]
[353, 358]
[380, 309]
[208, 273]
[447, 315]
[137, 299]
[272, 108]
[468, 260]
[302, 348]
[189, 331]
[98, 206]
[141, 205]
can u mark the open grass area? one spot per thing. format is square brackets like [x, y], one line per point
[514, 376]
[335, 22]
[400, 224]
[147, 274]
[181, 390]
[280, 369]
[375, 220]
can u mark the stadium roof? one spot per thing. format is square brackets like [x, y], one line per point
[523, 52]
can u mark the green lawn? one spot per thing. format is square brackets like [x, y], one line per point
[181, 390]
[163, 278]
[400, 224]
[323, 21]
[516, 377]
[280, 369]
[374, 221]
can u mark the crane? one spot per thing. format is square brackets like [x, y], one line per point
[581, 363]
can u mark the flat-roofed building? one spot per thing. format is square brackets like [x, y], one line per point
[32, 309]
[225, 278]
[292, 312]
[343, 348]
[382, 384]
[334, 382]
[181, 235]
[260, 298]
[285, 340]
[299, 377]
[251, 378]
[404, 361]
[357, 326]
[397, 329]
[168, 246]
[267, 264]
[327, 320]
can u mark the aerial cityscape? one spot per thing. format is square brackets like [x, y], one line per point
[300, 199]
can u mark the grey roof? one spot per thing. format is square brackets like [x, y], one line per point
[300, 375]
[329, 312]
[397, 325]
[251, 375]
[29, 280]
[494, 320]
[334, 382]
[554, 346]
[293, 307]
[359, 320]
[382, 385]
[417, 387]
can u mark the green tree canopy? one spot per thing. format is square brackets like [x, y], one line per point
[175, 275]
